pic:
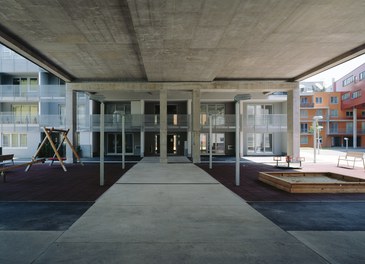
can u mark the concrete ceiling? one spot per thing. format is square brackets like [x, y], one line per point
[184, 40]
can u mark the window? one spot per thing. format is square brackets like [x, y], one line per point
[363, 113]
[362, 75]
[348, 80]
[349, 127]
[349, 114]
[334, 100]
[356, 94]
[304, 140]
[319, 112]
[25, 113]
[217, 110]
[303, 113]
[345, 96]
[304, 100]
[334, 113]
[318, 100]
[26, 84]
[14, 140]
[304, 128]
[218, 144]
[333, 127]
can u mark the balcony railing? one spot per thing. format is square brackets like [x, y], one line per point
[113, 123]
[266, 123]
[31, 92]
[15, 122]
[309, 105]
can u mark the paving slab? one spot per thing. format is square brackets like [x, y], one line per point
[155, 173]
[337, 247]
[19, 247]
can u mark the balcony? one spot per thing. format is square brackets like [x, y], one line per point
[266, 123]
[306, 105]
[12, 122]
[151, 123]
[18, 93]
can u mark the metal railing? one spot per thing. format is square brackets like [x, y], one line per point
[266, 123]
[31, 92]
[150, 122]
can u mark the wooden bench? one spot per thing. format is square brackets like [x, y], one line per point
[7, 168]
[289, 160]
[5, 158]
[351, 157]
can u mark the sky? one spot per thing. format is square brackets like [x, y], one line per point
[337, 72]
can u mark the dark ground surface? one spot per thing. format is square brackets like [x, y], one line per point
[50, 183]
[47, 198]
[292, 212]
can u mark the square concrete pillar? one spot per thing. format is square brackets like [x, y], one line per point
[293, 121]
[71, 110]
[196, 126]
[163, 126]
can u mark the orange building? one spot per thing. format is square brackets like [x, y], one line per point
[343, 111]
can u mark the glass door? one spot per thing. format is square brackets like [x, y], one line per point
[259, 143]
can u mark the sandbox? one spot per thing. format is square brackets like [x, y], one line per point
[313, 182]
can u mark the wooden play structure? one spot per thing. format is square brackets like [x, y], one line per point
[56, 157]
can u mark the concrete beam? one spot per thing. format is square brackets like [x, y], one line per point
[16, 44]
[246, 86]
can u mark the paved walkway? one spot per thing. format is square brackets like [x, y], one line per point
[174, 213]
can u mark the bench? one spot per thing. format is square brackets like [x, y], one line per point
[351, 157]
[5, 158]
[289, 160]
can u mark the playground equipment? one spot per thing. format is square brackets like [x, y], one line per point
[48, 132]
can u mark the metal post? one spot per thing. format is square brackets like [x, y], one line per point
[123, 142]
[315, 121]
[237, 143]
[102, 111]
[314, 140]
[210, 141]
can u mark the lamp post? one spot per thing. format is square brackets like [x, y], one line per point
[238, 98]
[315, 122]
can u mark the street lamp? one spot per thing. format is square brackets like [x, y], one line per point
[347, 142]
[238, 98]
[315, 122]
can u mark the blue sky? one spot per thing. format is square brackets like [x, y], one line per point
[338, 71]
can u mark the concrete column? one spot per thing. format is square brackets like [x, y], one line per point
[71, 110]
[354, 127]
[244, 129]
[293, 121]
[142, 129]
[242, 119]
[196, 126]
[189, 139]
[163, 126]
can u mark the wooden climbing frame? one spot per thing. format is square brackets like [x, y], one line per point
[56, 156]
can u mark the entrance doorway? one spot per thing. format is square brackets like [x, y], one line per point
[114, 143]
[171, 144]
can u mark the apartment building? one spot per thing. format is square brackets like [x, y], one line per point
[30, 98]
[342, 109]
